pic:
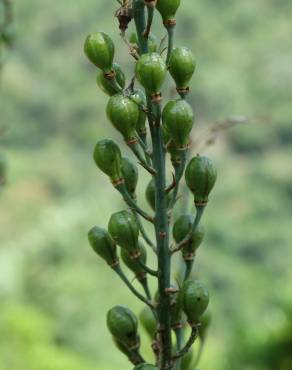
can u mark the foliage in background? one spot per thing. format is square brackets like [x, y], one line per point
[54, 116]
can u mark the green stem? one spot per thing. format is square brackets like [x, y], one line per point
[123, 277]
[190, 342]
[131, 203]
[179, 339]
[139, 19]
[144, 234]
[189, 267]
[146, 268]
[178, 174]
[150, 15]
[144, 283]
[170, 33]
[136, 150]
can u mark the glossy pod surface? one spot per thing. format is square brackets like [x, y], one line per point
[132, 264]
[103, 245]
[123, 324]
[182, 66]
[100, 50]
[106, 85]
[124, 229]
[107, 156]
[178, 119]
[200, 177]
[167, 9]
[123, 114]
[195, 299]
[151, 72]
[130, 175]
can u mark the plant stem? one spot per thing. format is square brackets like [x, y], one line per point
[179, 338]
[179, 171]
[145, 286]
[119, 271]
[136, 150]
[170, 33]
[146, 268]
[139, 19]
[144, 234]
[190, 342]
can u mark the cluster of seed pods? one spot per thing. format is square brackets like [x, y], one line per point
[128, 110]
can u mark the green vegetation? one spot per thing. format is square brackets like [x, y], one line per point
[50, 281]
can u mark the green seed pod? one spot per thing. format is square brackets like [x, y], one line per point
[182, 66]
[152, 42]
[103, 245]
[130, 175]
[171, 148]
[124, 229]
[151, 72]
[181, 229]
[123, 325]
[145, 367]
[100, 50]
[186, 362]
[132, 263]
[205, 321]
[107, 156]
[150, 194]
[178, 119]
[195, 300]
[105, 84]
[176, 310]
[148, 321]
[140, 99]
[124, 115]
[200, 177]
[167, 9]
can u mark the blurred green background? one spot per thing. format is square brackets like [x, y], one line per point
[54, 293]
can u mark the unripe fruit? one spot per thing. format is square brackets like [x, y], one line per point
[178, 119]
[103, 245]
[106, 86]
[123, 114]
[200, 177]
[130, 175]
[152, 42]
[145, 367]
[150, 194]
[195, 300]
[181, 229]
[100, 50]
[124, 229]
[148, 321]
[151, 72]
[205, 322]
[107, 156]
[132, 263]
[123, 325]
[140, 99]
[167, 9]
[182, 67]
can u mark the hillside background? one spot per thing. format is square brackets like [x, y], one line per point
[54, 293]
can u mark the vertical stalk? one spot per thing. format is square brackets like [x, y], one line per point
[161, 218]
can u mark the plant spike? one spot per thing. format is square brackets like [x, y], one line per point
[136, 113]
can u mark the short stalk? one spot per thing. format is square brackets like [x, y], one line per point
[170, 33]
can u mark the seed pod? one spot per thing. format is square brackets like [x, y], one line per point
[103, 245]
[132, 263]
[105, 85]
[107, 156]
[182, 66]
[148, 321]
[140, 99]
[167, 9]
[178, 119]
[171, 148]
[151, 72]
[123, 325]
[124, 229]
[176, 310]
[152, 42]
[200, 177]
[100, 50]
[181, 229]
[145, 367]
[124, 115]
[195, 300]
[186, 362]
[205, 322]
[130, 175]
[150, 194]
